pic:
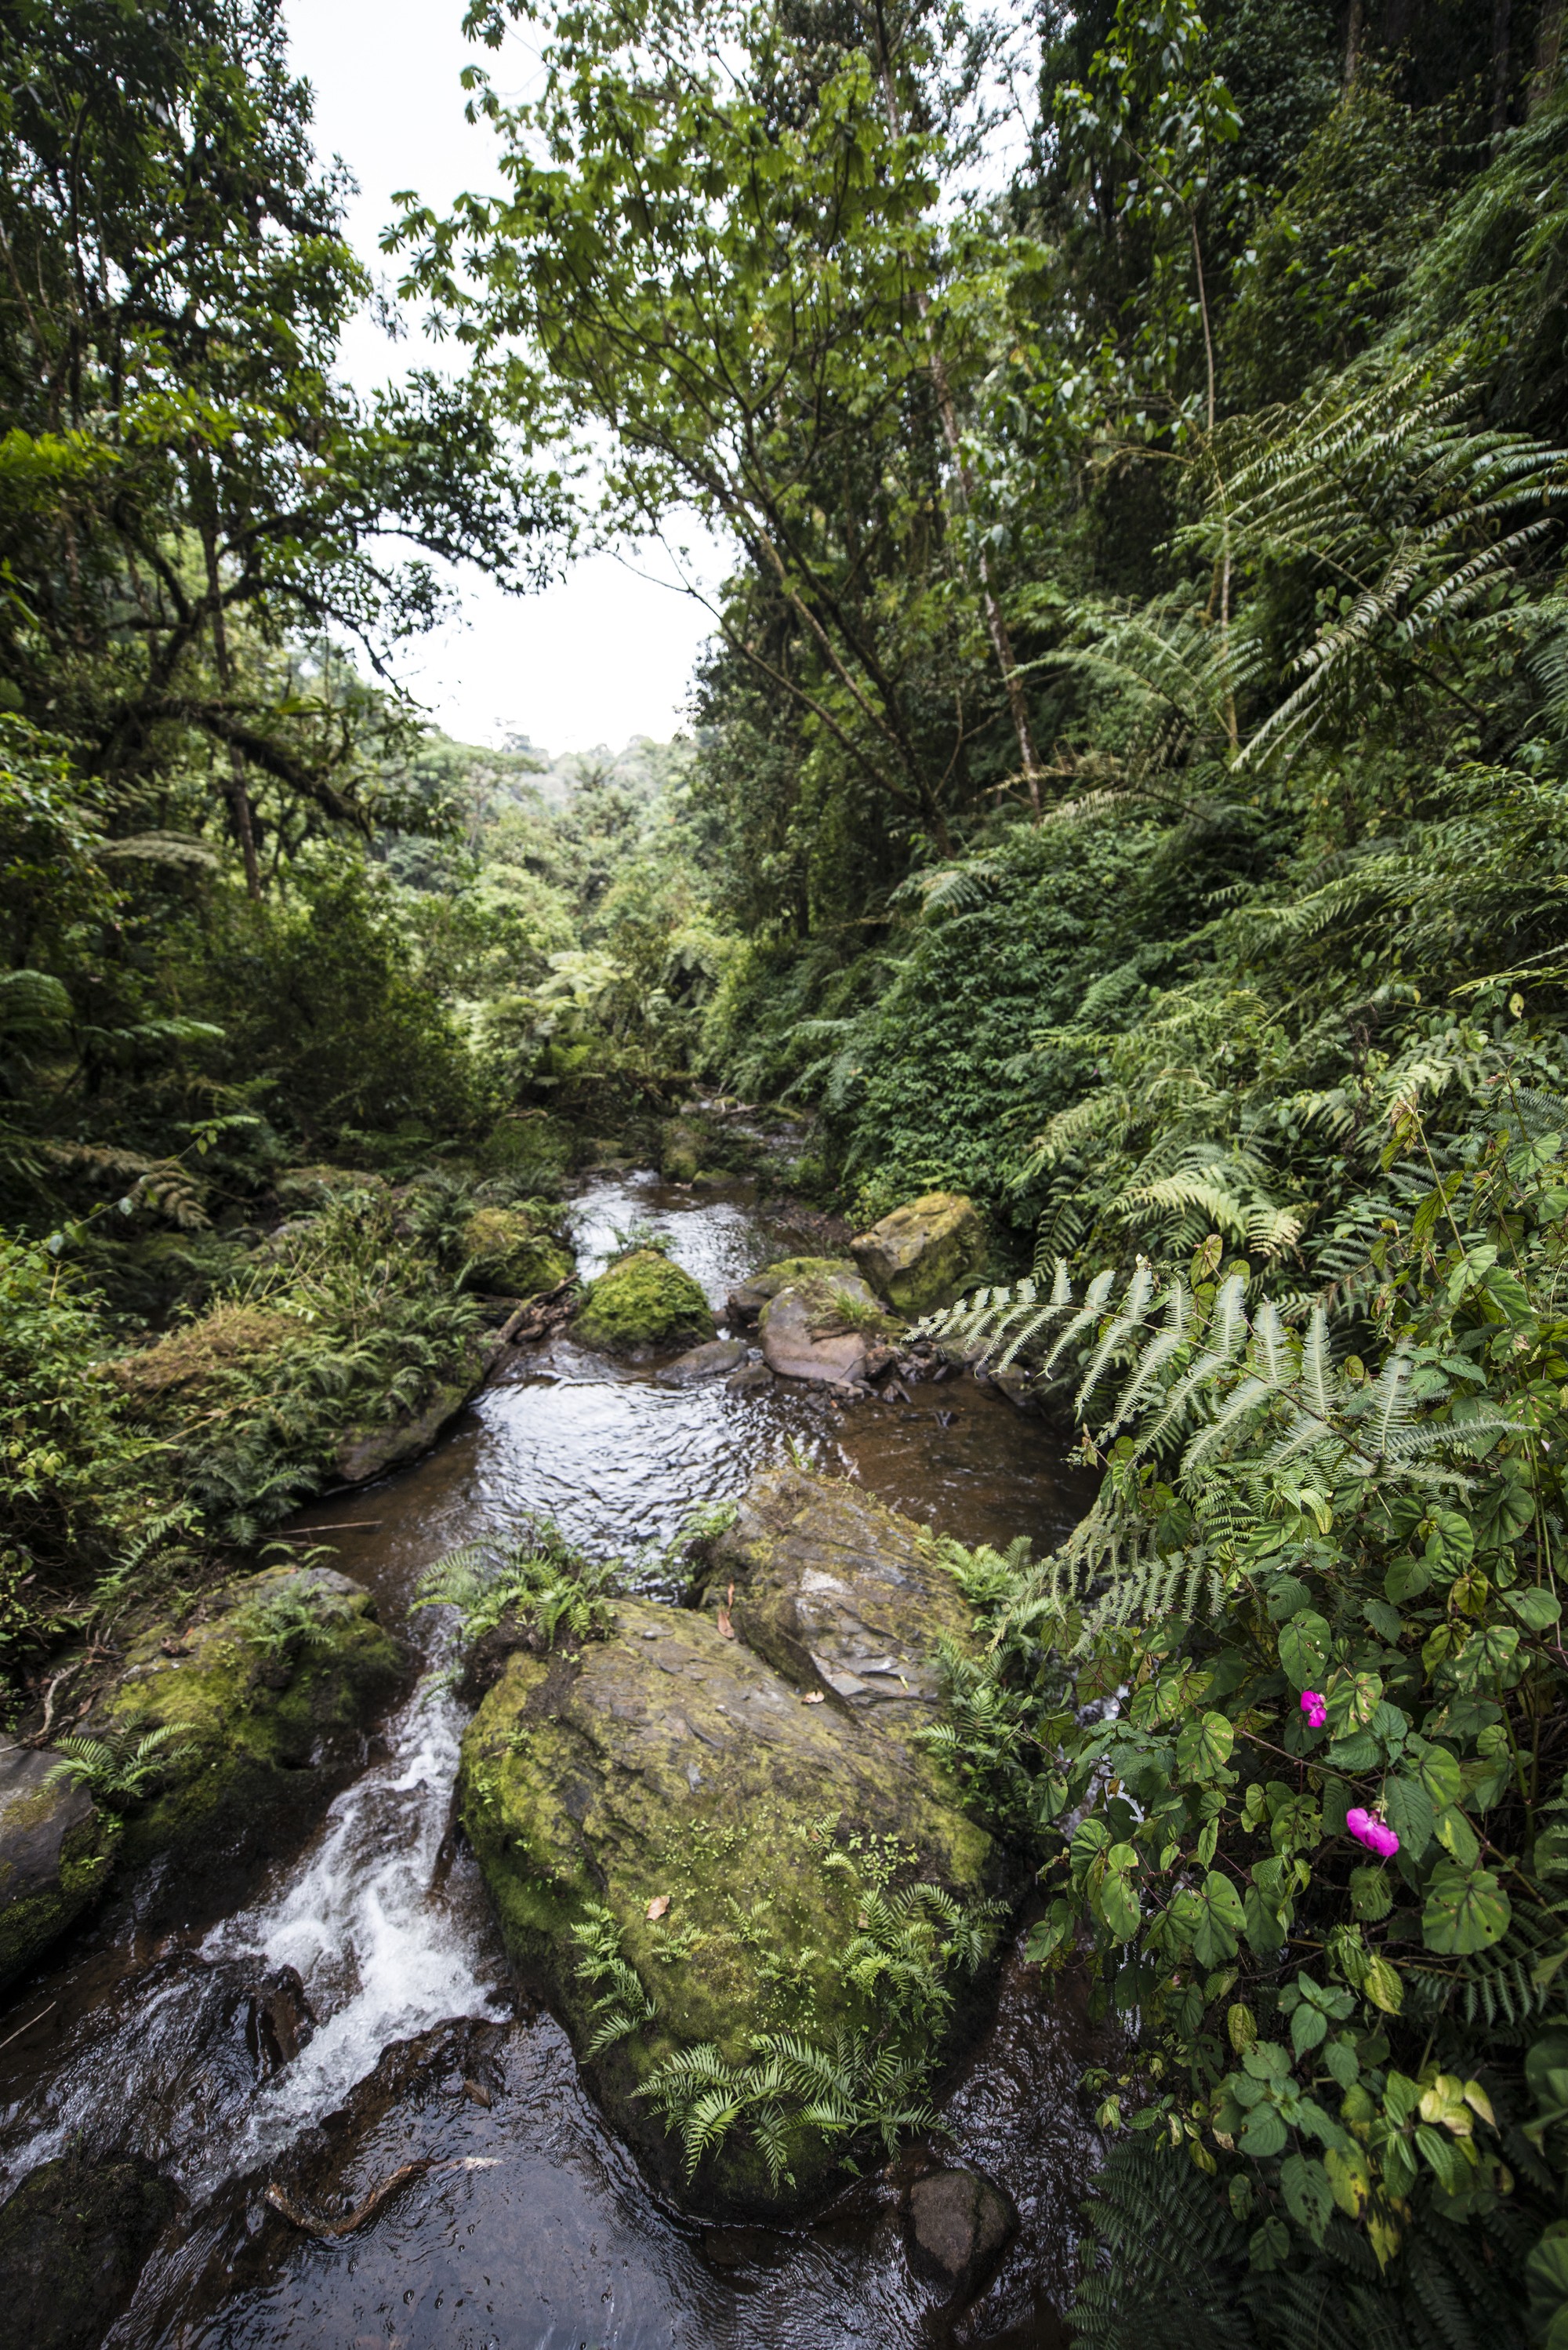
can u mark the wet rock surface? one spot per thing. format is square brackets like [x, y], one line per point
[747, 1299]
[56, 1848]
[956, 2225]
[925, 1255]
[840, 1594]
[712, 1361]
[369, 1451]
[673, 1781]
[73, 2238]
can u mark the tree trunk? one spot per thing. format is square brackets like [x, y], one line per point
[1501, 25]
[1548, 55]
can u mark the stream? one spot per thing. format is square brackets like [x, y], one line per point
[533, 2228]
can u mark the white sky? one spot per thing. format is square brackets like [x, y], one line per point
[608, 654]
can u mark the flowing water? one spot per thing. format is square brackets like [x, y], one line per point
[532, 2225]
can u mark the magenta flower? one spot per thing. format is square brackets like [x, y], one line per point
[1373, 1833]
[1314, 1705]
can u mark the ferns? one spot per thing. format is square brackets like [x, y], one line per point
[118, 1769]
[622, 2004]
[540, 1578]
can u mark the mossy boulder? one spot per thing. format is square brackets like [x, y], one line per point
[509, 1255]
[746, 1302]
[642, 1301]
[73, 2238]
[267, 1689]
[925, 1255]
[55, 1850]
[840, 1594]
[823, 1326]
[707, 1819]
[679, 1151]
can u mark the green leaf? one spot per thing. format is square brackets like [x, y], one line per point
[1371, 1896]
[1309, 2028]
[1263, 2133]
[1305, 1644]
[1309, 2199]
[1467, 1911]
[1204, 1746]
[1537, 1610]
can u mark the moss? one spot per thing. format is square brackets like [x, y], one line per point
[73, 2238]
[283, 1667]
[668, 1761]
[925, 1253]
[643, 1300]
[507, 1253]
[27, 1926]
[231, 1336]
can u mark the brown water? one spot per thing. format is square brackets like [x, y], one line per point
[534, 2227]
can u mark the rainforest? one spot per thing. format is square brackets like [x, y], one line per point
[1119, 839]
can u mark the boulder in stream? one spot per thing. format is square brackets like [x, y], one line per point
[690, 1852]
[821, 1326]
[925, 1255]
[56, 1848]
[745, 1303]
[840, 1594]
[642, 1300]
[73, 2238]
[712, 1361]
[956, 2227]
[510, 1255]
[265, 1692]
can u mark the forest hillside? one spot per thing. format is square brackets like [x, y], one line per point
[1127, 783]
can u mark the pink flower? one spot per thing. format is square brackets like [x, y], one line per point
[1373, 1833]
[1314, 1705]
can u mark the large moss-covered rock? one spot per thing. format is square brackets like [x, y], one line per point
[840, 1592]
[823, 1326]
[508, 1254]
[670, 1789]
[56, 1848]
[267, 1689]
[680, 1150]
[925, 1255]
[73, 2238]
[641, 1301]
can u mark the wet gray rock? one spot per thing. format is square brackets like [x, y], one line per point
[73, 2239]
[839, 1593]
[749, 1379]
[56, 1847]
[956, 2227]
[707, 1362]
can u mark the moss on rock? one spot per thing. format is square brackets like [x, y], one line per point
[507, 1253]
[267, 1690]
[642, 1300]
[668, 1768]
[925, 1253]
[73, 2238]
[56, 1851]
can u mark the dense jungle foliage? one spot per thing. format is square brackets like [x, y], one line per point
[1128, 781]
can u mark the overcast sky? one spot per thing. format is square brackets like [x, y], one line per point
[606, 655]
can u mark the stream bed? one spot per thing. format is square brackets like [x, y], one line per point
[532, 2228]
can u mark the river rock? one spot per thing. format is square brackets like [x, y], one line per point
[925, 1255]
[370, 1450]
[56, 1847]
[266, 1691]
[642, 1300]
[744, 1304]
[821, 1327]
[840, 1594]
[679, 1151]
[671, 1796]
[956, 2225]
[508, 1254]
[749, 1379]
[709, 1362]
[73, 2238]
